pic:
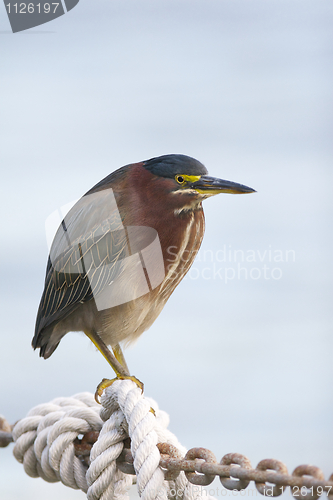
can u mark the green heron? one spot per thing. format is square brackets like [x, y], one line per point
[121, 251]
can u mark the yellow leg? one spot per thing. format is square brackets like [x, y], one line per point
[113, 362]
[117, 363]
[120, 356]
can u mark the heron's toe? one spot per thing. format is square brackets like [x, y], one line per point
[107, 382]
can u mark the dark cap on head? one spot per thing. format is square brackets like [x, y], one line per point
[171, 165]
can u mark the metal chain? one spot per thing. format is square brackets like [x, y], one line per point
[5, 432]
[235, 471]
[307, 482]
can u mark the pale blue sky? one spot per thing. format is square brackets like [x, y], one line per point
[245, 87]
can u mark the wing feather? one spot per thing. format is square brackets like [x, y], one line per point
[78, 270]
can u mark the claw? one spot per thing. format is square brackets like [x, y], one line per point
[100, 388]
[106, 383]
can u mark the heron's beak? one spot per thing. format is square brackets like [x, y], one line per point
[211, 185]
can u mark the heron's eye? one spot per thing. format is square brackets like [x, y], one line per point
[180, 179]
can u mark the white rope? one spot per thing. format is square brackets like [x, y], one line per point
[44, 439]
[44, 443]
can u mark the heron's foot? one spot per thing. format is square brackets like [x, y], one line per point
[106, 383]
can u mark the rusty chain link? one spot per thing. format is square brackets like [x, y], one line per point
[5, 432]
[235, 459]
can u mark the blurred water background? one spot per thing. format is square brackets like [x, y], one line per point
[241, 356]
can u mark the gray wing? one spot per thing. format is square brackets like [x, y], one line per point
[85, 257]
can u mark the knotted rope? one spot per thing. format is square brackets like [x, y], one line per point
[45, 443]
